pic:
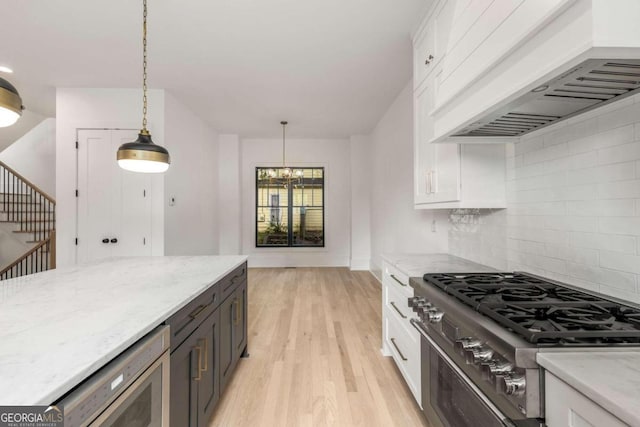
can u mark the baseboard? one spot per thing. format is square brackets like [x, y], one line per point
[297, 260]
[360, 264]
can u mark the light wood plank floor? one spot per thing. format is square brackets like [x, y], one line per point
[314, 344]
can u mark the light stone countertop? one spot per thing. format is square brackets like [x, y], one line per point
[416, 265]
[609, 378]
[60, 326]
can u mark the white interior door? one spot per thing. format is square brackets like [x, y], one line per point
[114, 206]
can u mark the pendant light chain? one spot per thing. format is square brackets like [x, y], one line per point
[284, 124]
[144, 68]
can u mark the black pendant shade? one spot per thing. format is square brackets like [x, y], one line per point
[142, 155]
[10, 104]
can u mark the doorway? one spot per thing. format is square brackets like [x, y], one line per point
[114, 205]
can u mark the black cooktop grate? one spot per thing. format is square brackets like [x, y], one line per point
[542, 311]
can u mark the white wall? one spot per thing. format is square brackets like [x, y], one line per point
[100, 108]
[360, 203]
[191, 224]
[229, 195]
[396, 227]
[334, 156]
[34, 156]
[573, 205]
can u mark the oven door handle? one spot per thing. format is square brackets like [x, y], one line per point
[504, 419]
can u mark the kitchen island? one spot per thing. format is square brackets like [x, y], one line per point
[60, 326]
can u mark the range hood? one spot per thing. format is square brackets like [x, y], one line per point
[591, 84]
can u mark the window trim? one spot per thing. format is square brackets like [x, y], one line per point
[290, 211]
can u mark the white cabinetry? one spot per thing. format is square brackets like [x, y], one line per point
[566, 407]
[399, 338]
[490, 52]
[447, 175]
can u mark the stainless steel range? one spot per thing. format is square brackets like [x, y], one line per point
[481, 333]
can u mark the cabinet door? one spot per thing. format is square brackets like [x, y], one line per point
[185, 371]
[436, 166]
[240, 321]
[209, 384]
[423, 151]
[227, 350]
[445, 178]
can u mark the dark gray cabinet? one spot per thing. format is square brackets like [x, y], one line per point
[207, 338]
[233, 332]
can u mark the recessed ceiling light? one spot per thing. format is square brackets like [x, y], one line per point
[5, 69]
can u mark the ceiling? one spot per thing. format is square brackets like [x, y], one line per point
[329, 67]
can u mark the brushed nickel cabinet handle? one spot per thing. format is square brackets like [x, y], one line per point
[197, 311]
[398, 310]
[393, 341]
[396, 279]
[236, 321]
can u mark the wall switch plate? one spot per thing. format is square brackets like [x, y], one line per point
[172, 201]
[433, 226]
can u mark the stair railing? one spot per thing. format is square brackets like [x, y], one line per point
[40, 258]
[34, 211]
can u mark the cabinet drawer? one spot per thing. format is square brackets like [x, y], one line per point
[394, 278]
[397, 304]
[567, 407]
[232, 280]
[185, 321]
[405, 350]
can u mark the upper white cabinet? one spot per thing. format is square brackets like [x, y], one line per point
[484, 54]
[448, 175]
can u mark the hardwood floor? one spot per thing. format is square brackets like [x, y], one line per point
[314, 345]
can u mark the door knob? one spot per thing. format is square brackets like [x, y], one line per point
[105, 240]
[114, 240]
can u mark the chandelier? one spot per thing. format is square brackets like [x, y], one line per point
[286, 174]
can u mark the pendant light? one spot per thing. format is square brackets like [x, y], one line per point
[142, 155]
[10, 104]
[286, 172]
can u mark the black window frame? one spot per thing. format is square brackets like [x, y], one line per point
[289, 208]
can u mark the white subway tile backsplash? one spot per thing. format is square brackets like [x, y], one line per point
[620, 225]
[528, 145]
[621, 262]
[542, 181]
[583, 160]
[613, 278]
[619, 190]
[547, 208]
[619, 117]
[606, 173]
[572, 254]
[578, 223]
[615, 207]
[619, 153]
[573, 202]
[613, 137]
[606, 242]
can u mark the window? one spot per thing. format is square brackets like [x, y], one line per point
[289, 211]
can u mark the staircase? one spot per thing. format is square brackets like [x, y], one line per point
[31, 215]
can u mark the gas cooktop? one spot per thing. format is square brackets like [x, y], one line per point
[543, 312]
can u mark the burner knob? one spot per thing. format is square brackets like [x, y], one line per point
[495, 367]
[414, 301]
[513, 384]
[435, 316]
[478, 355]
[466, 343]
